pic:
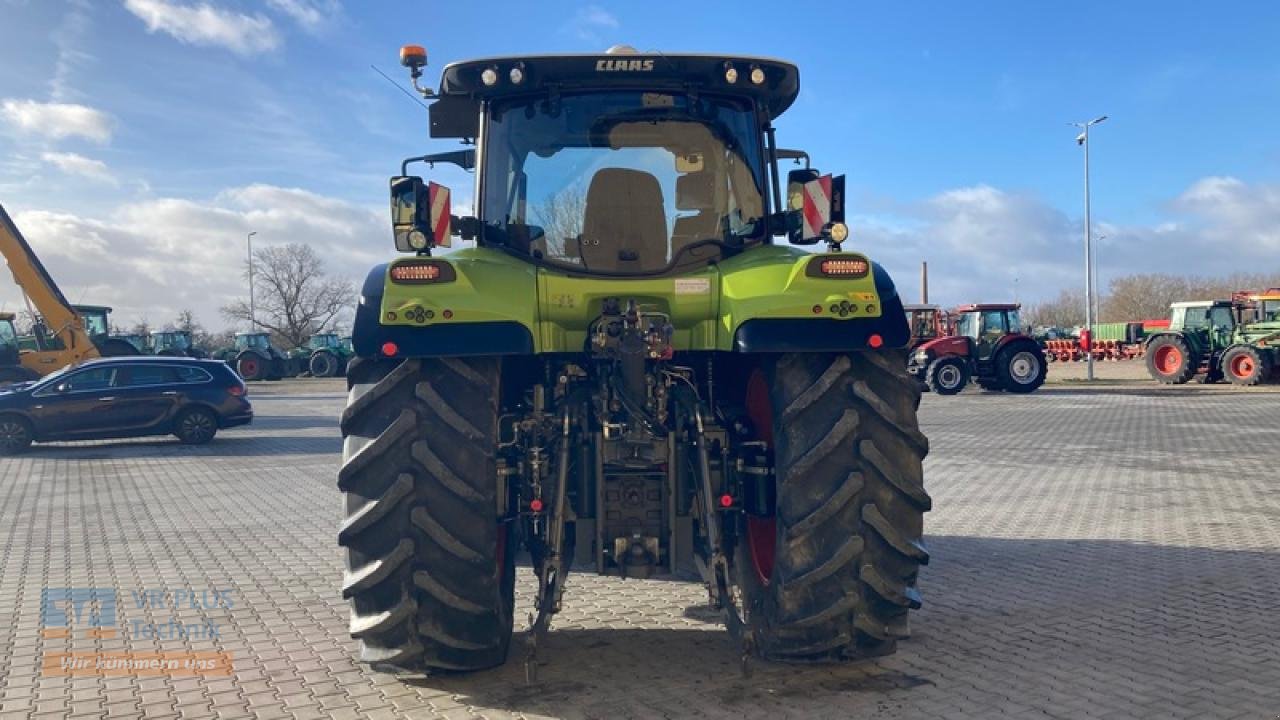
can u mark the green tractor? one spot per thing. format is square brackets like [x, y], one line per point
[324, 355]
[255, 358]
[1229, 339]
[627, 374]
[175, 343]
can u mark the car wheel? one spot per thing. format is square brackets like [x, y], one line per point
[196, 426]
[15, 435]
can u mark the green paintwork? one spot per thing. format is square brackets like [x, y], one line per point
[706, 306]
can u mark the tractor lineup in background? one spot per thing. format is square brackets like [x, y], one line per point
[646, 383]
[983, 343]
[324, 355]
[1218, 339]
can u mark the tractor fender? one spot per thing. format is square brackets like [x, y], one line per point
[828, 334]
[370, 338]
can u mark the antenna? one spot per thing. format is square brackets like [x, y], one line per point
[398, 86]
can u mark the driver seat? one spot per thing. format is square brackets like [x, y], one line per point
[624, 224]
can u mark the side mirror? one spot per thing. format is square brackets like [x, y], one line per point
[814, 204]
[420, 214]
[62, 388]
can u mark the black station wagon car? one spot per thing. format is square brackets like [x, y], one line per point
[122, 397]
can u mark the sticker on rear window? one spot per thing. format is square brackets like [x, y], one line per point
[693, 286]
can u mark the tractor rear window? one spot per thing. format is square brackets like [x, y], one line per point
[622, 182]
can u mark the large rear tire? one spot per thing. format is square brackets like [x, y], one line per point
[323, 364]
[430, 566]
[1169, 360]
[1021, 367]
[846, 537]
[251, 365]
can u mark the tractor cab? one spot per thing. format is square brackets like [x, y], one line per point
[253, 341]
[176, 340]
[97, 320]
[987, 326]
[925, 322]
[324, 341]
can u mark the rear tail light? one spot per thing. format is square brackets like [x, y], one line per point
[833, 267]
[238, 390]
[421, 272]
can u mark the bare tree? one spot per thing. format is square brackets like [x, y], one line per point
[1147, 296]
[560, 217]
[294, 297]
[1066, 310]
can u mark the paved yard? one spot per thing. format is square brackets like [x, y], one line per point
[1110, 553]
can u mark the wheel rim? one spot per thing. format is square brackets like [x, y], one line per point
[949, 376]
[12, 435]
[249, 367]
[197, 426]
[1242, 366]
[1024, 367]
[1168, 359]
[762, 532]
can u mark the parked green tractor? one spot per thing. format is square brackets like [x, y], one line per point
[255, 358]
[626, 373]
[1218, 339]
[324, 355]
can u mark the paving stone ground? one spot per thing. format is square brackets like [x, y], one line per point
[1111, 554]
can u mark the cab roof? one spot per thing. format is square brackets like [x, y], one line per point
[461, 83]
[978, 307]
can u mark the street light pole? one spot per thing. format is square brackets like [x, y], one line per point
[253, 317]
[1083, 139]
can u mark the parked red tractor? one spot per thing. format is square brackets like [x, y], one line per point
[988, 346]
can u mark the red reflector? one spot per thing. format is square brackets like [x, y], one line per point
[236, 390]
[817, 309]
[844, 268]
[726, 500]
[535, 505]
[416, 273]
[448, 314]
[390, 349]
[875, 340]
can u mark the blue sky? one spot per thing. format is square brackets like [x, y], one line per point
[140, 139]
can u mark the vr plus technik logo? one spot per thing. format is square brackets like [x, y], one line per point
[65, 609]
[90, 614]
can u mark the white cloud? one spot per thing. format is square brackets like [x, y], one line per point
[205, 24]
[589, 22]
[74, 164]
[310, 14]
[57, 120]
[151, 259]
[984, 244]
